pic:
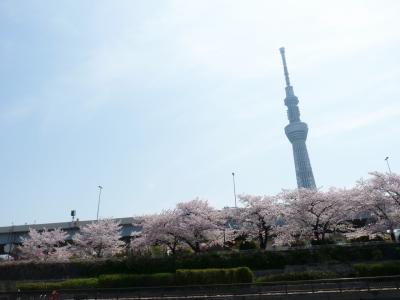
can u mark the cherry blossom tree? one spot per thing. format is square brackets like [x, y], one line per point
[192, 224]
[387, 185]
[291, 235]
[199, 224]
[313, 214]
[260, 217]
[379, 200]
[99, 239]
[230, 219]
[160, 229]
[45, 245]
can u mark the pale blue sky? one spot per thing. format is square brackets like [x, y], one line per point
[159, 101]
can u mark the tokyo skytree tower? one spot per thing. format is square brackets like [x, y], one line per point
[296, 132]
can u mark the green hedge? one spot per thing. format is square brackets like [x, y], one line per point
[378, 269]
[214, 276]
[181, 277]
[59, 285]
[255, 260]
[308, 275]
[133, 280]
[33, 270]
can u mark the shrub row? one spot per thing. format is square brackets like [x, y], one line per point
[255, 260]
[307, 275]
[133, 280]
[214, 276]
[65, 284]
[181, 277]
[205, 276]
[378, 269]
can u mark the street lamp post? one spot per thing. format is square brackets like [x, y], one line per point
[234, 187]
[387, 162]
[98, 203]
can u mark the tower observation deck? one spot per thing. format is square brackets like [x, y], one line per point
[296, 131]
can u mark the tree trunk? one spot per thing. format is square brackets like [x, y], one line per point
[392, 236]
[262, 241]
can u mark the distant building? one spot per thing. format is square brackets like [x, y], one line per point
[11, 236]
[296, 132]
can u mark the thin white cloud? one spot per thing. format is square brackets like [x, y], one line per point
[234, 37]
[355, 122]
[224, 39]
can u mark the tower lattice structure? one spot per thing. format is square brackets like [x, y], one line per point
[296, 131]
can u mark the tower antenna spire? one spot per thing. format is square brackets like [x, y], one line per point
[282, 50]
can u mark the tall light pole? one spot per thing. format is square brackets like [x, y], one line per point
[98, 203]
[234, 187]
[387, 162]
